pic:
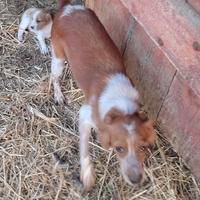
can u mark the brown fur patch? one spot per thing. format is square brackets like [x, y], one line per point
[43, 18]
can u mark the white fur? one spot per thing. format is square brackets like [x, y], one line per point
[24, 24]
[130, 128]
[130, 162]
[85, 115]
[131, 151]
[71, 8]
[33, 20]
[86, 166]
[29, 20]
[57, 66]
[87, 173]
[85, 125]
[120, 94]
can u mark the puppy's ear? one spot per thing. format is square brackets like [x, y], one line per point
[48, 17]
[147, 133]
[112, 116]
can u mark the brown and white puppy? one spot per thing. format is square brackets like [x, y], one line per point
[111, 101]
[39, 22]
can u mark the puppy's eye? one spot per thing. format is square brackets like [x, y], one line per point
[119, 149]
[38, 20]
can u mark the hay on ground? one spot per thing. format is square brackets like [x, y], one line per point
[35, 133]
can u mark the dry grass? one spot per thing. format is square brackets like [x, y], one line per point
[33, 130]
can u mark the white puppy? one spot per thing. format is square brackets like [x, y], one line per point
[39, 22]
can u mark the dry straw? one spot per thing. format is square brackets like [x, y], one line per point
[39, 156]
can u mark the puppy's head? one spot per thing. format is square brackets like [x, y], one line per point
[129, 135]
[40, 19]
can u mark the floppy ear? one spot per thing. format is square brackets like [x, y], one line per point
[147, 132]
[113, 115]
[48, 17]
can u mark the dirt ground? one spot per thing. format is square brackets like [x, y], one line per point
[33, 131]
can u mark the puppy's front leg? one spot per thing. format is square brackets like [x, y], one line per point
[22, 27]
[43, 46]
[87, 170]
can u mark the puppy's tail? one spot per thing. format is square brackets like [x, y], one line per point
[62, 3]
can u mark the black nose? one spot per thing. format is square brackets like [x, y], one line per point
[32, 27]
[135, 179]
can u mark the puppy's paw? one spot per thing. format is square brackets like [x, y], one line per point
[20, 37]
[44, 50]
[59, 98]
[88, 178]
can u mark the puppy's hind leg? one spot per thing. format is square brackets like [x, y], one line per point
[57, 65]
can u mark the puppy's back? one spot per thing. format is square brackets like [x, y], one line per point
[30, 11]
[78, 35]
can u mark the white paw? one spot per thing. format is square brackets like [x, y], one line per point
[20, 38]
[59, 98]
[44, 50]
[88, 177]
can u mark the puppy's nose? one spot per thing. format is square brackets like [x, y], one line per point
[135, 178]
[32, 27]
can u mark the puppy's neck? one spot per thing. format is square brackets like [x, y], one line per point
[118, 93]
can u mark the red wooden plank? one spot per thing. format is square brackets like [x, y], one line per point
[181, 39]
[112, 14]
[149, 69]
[195, 4]
[180, 117]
